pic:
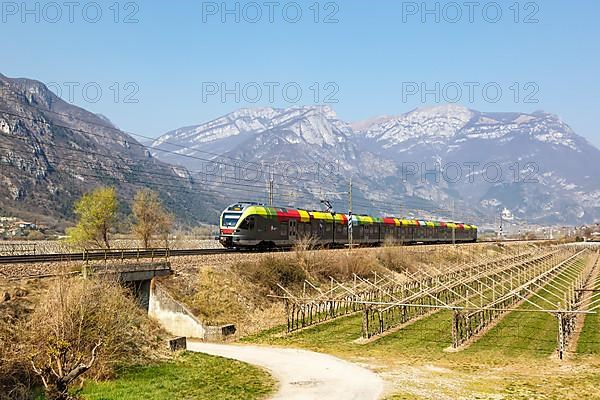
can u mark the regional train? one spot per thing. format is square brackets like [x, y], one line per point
[256, 226]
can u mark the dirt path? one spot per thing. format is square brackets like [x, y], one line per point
[303, 375]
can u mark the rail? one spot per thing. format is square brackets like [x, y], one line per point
[128, 254]
[105, 255]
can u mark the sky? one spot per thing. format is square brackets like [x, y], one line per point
[152, 67]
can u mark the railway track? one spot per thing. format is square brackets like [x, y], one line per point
[107, 255]
[102, 255]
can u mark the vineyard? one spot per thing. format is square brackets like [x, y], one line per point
[471, 300]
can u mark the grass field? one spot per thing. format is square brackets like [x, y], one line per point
[514, 360]
[589, 340]
[190, 376]
[525, 333]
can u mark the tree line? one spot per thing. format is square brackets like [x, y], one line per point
[98, 217]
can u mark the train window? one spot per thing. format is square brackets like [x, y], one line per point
[248, 224]
[260, 225]
[230, 219]
[283, 229]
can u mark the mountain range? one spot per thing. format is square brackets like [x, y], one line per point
[446, 161]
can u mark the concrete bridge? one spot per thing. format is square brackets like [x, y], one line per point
[136, 276]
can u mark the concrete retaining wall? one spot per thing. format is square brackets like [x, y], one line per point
[173, 316]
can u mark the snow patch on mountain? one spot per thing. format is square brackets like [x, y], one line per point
[431, 124]
[317, 125]
[541, 159]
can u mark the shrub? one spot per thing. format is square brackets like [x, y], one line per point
[83, 327]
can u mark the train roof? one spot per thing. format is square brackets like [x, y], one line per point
[285, 214]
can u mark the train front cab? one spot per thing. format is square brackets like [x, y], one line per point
[237, 229]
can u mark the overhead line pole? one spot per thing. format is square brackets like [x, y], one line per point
[453, 226]
[350, 227]
[271, 182]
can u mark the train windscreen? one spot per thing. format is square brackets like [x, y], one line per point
[230, 220]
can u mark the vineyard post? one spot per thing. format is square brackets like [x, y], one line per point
[561, 336]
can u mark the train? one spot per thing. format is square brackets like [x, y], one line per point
[257, 226]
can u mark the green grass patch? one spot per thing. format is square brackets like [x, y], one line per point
[589, 339]
[191, 376]
[527, 334]
[510, 361]
[425, 338]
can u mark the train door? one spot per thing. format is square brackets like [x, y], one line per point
[293, 230]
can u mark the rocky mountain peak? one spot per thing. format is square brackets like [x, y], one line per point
[545, 148]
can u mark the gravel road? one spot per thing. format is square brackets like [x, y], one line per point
[303, 375]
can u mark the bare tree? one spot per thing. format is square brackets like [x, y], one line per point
[150, 218]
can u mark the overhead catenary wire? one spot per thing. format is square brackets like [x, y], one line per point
[404, 202]
[137, 165]
[137, 174]
[364, 188]
[135, 143]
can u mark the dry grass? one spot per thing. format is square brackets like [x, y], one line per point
[16, 303]
[55, 325]
[236, 289]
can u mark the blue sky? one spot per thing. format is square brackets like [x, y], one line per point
[363, 58]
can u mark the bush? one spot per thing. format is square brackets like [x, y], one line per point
[395, 259]
[83, 327]
[289, 270]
